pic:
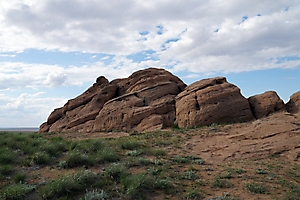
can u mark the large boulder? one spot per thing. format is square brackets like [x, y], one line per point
[146, 102]
[143, 101]
[210, 101]
[293, 106]
[264, 104]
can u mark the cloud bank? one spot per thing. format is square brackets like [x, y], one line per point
[194, 37]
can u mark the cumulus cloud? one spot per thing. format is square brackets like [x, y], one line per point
[26, 110]
[23, 75]
[194, 37]
[205, 37]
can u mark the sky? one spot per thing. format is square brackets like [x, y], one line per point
[53, 50]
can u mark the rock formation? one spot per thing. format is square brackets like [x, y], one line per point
[210, 101]
[153, 99]
[264, 104]
[145, 100]
[293, 106]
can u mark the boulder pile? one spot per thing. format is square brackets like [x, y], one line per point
[154, 99]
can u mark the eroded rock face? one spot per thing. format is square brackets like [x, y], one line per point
[210, 101]
[264, 104]
[143, 101]
[147, 102]
[76, 113]
[293, 106]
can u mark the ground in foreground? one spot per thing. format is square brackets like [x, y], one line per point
[254, 160]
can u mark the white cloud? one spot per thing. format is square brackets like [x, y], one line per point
[24, 75]
[26, 109]
[113, 27]
[207, 37]
[55, 79]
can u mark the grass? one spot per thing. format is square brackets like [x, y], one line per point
[20, 178]
[16, 191]
[68, 185]
[140, 166]
[135, 185]
[76, 159]
[256, 188]
[219, 182]
[190, 175]
[95, 195]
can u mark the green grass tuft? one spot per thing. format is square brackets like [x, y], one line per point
[67, 186]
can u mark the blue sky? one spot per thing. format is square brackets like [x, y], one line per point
[53, 50]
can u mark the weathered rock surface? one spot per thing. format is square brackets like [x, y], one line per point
[143, 101]
[264, 104]
[146, 101]
[276, 134]
[293, 106]
[210, 101]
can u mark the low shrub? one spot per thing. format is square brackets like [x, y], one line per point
[41, 158]
[116, 172]
[95, 195]
[107, 155]
[133, 153]
[76, 159]
[255, 188]
[67, 186]
[7, 156]
[20, 178]
[136, 185]
[221, 183]
[130, 145]
[190, 175]
[16, 191]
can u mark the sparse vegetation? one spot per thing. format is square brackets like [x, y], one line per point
[256, 188]
[134, 167]
[16, 191]
[220, 182]
[68, 185]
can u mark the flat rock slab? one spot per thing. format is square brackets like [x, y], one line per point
[278, 134]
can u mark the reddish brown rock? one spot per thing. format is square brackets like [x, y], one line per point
[147, 102]
[44, 127]
[264, 104]
[293, 106]
[79, 111]
[210, 101]
[144, 101]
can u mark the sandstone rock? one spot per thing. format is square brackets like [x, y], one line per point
[293, 106]
[264, 104]
[44, 127]
[146, 101]
[210, 101]
[81, 109]
[143, 101]
[54, 116]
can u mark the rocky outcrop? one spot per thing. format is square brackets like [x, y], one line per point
[146, 101]
[293, 106]
[264, 104]
[210, 101]
[143, 101]
[153, 99]
[74, 115]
